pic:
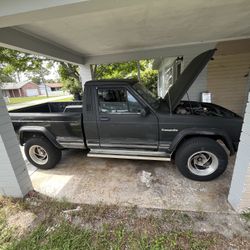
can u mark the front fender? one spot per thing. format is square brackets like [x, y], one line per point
[208, 132]
[37, 130]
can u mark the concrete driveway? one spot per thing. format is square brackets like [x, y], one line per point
[80, 179]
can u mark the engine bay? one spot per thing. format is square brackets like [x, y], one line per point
[202, 109]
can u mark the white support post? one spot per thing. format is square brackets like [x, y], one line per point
[14, 177]
[85, 74]
[239, 194]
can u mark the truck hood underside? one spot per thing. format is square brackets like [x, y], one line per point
[177, 91]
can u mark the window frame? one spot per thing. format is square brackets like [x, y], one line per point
[118, 113]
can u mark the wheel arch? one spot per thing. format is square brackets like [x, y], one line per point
[215, 134]
[27, 132]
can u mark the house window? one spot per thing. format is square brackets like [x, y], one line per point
[177, 67]
[160, 84]
[168, 75]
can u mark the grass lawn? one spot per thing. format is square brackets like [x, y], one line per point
[67, 99]
[39, 222]
[16, 100]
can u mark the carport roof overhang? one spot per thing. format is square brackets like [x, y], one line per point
[98, 31]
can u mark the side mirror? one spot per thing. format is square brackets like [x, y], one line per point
[144, 111]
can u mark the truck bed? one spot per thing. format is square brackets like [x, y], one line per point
[49, 107]
[61, 121]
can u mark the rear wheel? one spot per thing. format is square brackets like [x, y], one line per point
[201, 159]
[42, 153]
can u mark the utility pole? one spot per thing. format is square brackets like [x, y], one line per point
[43, 81]
[18, 76]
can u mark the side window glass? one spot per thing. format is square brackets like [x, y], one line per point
[117, 101]
[133, 104]
[112, 100]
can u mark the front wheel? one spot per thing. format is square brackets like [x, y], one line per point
[41, 153]
[201, 159]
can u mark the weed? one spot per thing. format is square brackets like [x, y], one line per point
[185, 218]
[6, 234]
[201, 215]
[246, 215]
[116, 231]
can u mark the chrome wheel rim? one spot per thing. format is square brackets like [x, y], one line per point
[203, 163]
[38, 154]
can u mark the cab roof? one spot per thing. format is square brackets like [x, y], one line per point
[111, 82]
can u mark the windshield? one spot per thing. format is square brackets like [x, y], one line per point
[146, 94]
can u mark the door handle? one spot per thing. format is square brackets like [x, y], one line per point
[104, 118]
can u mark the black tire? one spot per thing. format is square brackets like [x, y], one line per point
[185, 158]
[53, 154]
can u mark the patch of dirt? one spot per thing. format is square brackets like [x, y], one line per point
[231, 231]
[225, 224]
[22, 221]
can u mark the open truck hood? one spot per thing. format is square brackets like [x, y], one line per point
[176, 92]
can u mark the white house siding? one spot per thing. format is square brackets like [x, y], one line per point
[161, 85]
[42, 89]
[14, 178]
[239, 195]
[199, 85]
[228, 81]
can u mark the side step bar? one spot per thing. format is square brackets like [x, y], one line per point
[129, 154]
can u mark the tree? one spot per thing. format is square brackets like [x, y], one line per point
[149, 79]
[37, 75]
[5, 77]
[128, 70]
[71, 79]
[36, 79]
[13, 62]
[118, 70]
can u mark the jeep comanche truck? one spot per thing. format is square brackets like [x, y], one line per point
[122, 119]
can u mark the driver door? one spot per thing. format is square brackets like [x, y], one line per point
[120, 122]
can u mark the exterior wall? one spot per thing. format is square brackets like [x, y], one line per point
[199, 85]
[11, 92]
[22, 91]
[5, 93]
[29, 85]
[161, 85]
[42, 89]
[16, 93]
[14, 178]
[239, 195]
[228, 81]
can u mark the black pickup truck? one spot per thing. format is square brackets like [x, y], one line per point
[122, 119]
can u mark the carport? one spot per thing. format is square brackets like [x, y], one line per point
[95, 31]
